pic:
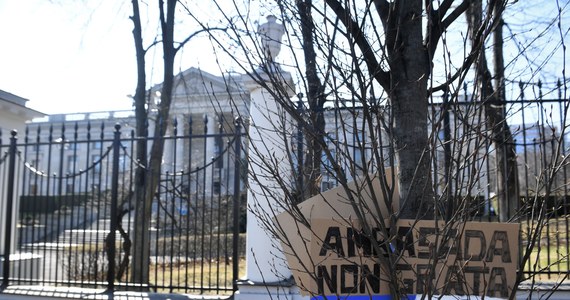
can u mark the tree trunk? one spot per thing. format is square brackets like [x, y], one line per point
[409, 71]
[140, 266]
[141, 249]
[316, 100]
[507, 181]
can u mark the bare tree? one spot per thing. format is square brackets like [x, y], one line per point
[316, 99]
[148, 172]
[375, 65]
[394, 59]
[141, 130]
[494, 102]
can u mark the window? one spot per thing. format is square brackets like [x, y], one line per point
[327, 185]
[123, 163]
[71, 163]
[218, 148]
[359, 149]
[33, 189]
[217, 189]
[72, 146]
[358, 155]
[97, 145]
[329, 158]
[35, 163]
[97, 164]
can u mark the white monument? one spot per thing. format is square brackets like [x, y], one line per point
[267, 274]
[271, 34]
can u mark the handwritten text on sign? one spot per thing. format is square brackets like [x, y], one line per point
[472, 258]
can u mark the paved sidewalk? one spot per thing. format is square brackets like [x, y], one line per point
[64, 293]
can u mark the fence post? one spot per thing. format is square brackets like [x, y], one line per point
[300, 173]
[110, 242]
[236, 204]
[447, 157]
[9, 208]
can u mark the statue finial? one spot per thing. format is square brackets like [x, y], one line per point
[271, 34]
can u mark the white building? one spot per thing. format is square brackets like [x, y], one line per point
[71, 144]
[14, 114]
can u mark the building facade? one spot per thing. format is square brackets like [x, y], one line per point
[14, 114]
[69, 146]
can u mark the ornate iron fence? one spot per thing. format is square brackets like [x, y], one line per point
[465, 167]
[63, 185]
[70, 191]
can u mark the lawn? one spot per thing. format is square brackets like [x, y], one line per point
[168, 273]
[198, 277]
[550, 255]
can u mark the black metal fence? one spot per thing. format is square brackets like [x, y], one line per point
[63, 185]
[538, 128]
[465, 164]
[70, 194]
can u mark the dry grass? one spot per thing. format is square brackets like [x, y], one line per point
[168, 274]
[194, 276]
[549, 258]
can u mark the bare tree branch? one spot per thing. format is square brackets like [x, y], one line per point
[355, 32]
[438, 25]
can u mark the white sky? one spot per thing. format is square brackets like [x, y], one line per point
[78, 55]
[70, 56]
[62, 61]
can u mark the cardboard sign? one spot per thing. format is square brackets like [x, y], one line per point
[472, 258]
[334, 204]
[329, 252]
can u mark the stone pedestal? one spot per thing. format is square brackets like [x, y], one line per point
[268, 291]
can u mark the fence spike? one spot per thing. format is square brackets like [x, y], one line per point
[50, 135]
[102, 129]
[220, 123]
